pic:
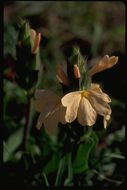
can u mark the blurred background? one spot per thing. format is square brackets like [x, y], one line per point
[99, 29]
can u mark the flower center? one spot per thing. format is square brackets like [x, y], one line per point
[85, 94]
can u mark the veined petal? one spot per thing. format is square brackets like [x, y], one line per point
[86, 113]
[100, 96]
[71, 101]
[50, 109]
[51, 122]
[56, 116]
[43, 115]
[44, 98]
[62, 112]
[101, 107]
[95, 87]
[66, 100]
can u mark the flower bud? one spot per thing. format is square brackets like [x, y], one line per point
[76, 72]
[27, 51]
[36, 43]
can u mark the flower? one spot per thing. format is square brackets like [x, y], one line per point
[51, 110]
[85, 105]
[105, 63]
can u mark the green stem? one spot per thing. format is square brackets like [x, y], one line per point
[29, 119]
[40, 70]
[70, 171]
[46, 180]
[68, 181]
[60, 171]
[30, 97]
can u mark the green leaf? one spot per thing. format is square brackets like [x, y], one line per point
[68, 180]
[53, 164]
[60, 171]
[113, 155]
[94, 137]
[46, 179]
[81, 161]
[12, 143]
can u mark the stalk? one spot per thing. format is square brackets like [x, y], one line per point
[29, 119]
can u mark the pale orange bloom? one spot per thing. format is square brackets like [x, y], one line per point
[105, 63]
[51, 110]
[86, 105]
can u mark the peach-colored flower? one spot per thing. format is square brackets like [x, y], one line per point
[105, 63]
[85, 105]
[51, 110]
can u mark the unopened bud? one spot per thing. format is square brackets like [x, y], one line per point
[36, 42]
[33, 33]
[76, 72]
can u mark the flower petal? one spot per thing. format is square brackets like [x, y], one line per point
[51, 122]
[86, 113]
[101, 107]
[61, 76]
[62, 112]
[51, 117]
[105, 63]
[49, 109]
[44, 98]
[112, 61]
[100, 96]
[71, 101]
[95, 87]
[105, 120]
[43, 115]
